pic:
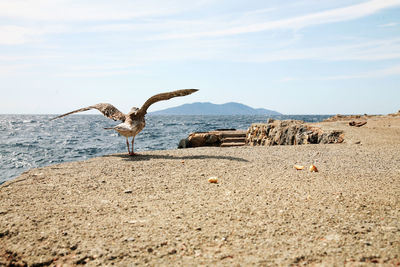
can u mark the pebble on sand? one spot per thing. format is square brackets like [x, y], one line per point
[213, 180]
[298, 167]
[313, 168]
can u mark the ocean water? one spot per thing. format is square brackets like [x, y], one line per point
[30, 141]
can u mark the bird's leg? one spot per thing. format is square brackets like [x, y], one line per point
[127, 144]
[132, 153]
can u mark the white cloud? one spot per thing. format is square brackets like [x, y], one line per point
[149, 21]
[75, 10]
[372, 50]
[72, 17]
[390, 71]
[330, 16]
[391, 24]
[13, 68]
[77, 74]
[14, 35]
[140, 46]
[287, 79]
[153, 12]
[379, 73]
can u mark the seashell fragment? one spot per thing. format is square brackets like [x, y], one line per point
[313, 168]
[298, 167]
[213, 180]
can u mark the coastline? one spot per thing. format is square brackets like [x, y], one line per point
[31, 142]
[159, 209]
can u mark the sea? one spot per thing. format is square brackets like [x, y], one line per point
[31, 141]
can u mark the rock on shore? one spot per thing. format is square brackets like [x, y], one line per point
[275, 132]
[290, 132]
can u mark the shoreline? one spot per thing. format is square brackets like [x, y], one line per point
[34, 147]
[159, 209]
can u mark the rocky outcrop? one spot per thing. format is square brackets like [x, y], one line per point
[200, 139]
[220, 137]
[394, 114]
[289, 132]
[339, 117]
[357, 123]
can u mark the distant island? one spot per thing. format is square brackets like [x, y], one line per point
[207, 108]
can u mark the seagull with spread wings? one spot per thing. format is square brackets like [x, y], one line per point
[134, 121]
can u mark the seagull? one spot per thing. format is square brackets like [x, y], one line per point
[133, 122]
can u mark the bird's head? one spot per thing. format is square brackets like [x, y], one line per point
[133, 110]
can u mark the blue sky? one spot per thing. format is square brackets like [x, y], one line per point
[295, 57]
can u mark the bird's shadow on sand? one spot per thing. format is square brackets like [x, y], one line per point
[142, 157]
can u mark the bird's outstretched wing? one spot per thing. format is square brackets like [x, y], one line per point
[163, 96]
[108, 110]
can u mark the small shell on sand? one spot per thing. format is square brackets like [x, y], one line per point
[213, 180]
[298, 167]
[313, 168]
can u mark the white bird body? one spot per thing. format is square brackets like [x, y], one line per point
[129, 128]
[133, 122]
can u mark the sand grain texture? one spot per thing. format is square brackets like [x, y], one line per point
[159, 209]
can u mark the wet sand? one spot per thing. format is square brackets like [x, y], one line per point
[158, 208]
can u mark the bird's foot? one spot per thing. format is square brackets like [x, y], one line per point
[133, 154]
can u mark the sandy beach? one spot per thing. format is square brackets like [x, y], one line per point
[159, 209]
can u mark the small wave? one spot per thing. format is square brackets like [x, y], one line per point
[29, 144]
[88, 151]
[71, 142]
[29, 121]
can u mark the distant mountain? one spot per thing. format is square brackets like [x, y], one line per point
[207, 108]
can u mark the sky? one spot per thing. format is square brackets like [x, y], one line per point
[294, 57]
